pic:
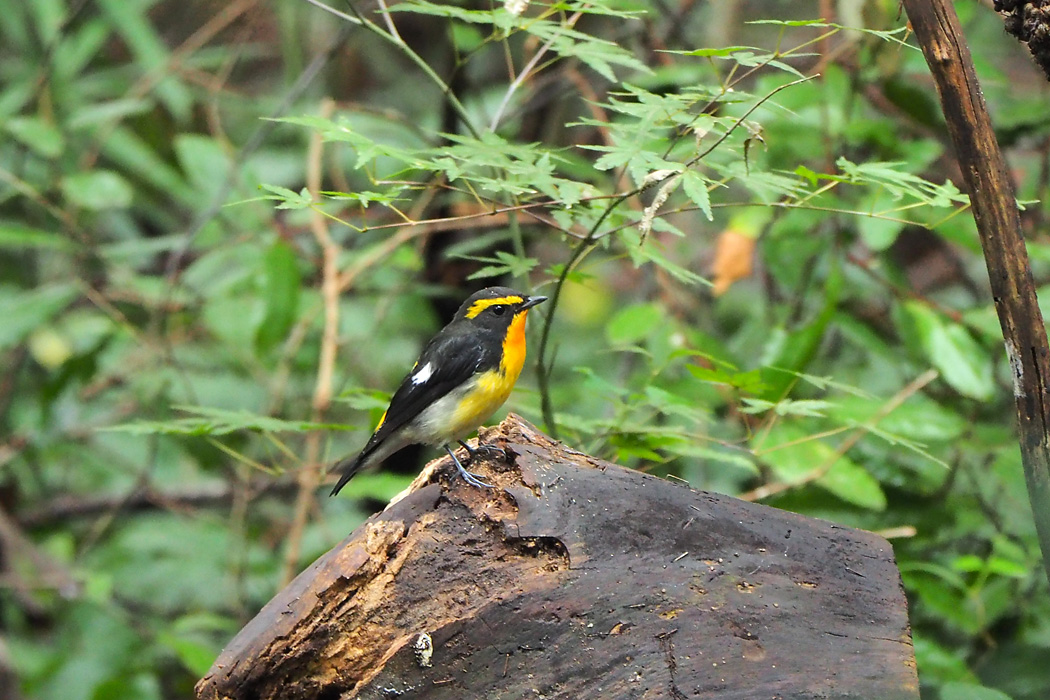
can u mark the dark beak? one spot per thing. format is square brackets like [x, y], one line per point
[532, 301]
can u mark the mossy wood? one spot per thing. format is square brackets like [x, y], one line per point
[576, 578]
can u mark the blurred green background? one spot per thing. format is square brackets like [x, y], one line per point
[227, 227]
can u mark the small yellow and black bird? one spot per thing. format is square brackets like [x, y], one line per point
[463, 375]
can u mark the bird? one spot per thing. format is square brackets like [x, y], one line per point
[463, 374]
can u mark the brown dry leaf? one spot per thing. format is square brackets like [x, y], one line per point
[733, 258]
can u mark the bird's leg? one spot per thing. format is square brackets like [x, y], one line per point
[491, 449]
[470, 478]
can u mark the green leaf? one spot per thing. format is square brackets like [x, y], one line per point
[955, 690]
[97, 190]
[788, 354]
[16, 236]
[950, 348]
[217, 421]
[598, 54]
[194, 655]
[900, 184]
[281, 281]
[109, 111]
[813, 408]
[287, 198]
[48, 16]
[125, 148]
[796, 457]
[503, 263]
[141, 686]
[203, 160]
[695, 186]
[41, 136]
[152, 54]
[422, 7]
[723, 51]
[633, 324]
[852, 483]
[748, 382]
[919, 418]
[23, 311]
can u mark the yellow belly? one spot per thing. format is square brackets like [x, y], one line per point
[489, 393]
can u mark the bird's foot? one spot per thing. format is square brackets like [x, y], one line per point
[469, 477]
[492, 451]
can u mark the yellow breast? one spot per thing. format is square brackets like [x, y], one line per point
[492, 388]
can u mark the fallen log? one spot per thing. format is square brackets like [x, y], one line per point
[576, 578]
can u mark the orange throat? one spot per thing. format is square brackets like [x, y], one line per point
[514, 348]
[492, 387]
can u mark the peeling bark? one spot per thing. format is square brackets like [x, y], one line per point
[579, 578]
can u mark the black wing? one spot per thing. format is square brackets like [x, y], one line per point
[453, 358]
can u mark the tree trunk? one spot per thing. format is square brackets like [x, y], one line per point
[576, 578]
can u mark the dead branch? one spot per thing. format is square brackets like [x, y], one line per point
[576, 578]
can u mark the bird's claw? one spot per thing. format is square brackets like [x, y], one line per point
[492, 450]
[469, 477]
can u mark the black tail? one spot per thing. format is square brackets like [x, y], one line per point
[348, 467]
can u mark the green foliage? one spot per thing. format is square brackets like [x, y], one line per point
[166, 281]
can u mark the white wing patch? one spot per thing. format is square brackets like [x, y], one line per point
[423, 374]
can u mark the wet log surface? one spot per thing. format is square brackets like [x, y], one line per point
[576, 578]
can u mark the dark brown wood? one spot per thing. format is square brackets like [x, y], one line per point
[576, 578]
[1029, 21]
[999, 225]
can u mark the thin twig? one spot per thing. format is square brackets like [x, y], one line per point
[389, 21]
[767, 490]
[526, 71]
[310, 473]
[64, 509]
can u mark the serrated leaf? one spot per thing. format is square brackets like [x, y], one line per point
[695, 187]
[422, 7]
[749, 382]
[287, 198]
[723, 51]
[503, 263]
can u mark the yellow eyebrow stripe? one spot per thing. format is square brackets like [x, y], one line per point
[480, 305]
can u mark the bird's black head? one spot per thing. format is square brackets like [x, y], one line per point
[496, 306]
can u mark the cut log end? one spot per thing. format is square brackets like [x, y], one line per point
[578, 578]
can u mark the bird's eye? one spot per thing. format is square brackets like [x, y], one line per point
[499, 309]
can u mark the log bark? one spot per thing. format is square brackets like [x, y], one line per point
[576, 578]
